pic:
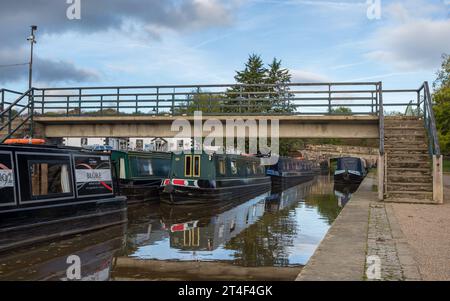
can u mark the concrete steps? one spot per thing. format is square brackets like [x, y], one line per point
[408, 165]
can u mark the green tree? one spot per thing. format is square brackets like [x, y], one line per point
[279, 96]
[441, 99]
[250, 99]
[341, 111]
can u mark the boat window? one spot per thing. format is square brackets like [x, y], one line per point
[142, 167]
[234, 169]
[254, 168]
[49, 178]
[196, 166]
[222, 169]
[188, 166]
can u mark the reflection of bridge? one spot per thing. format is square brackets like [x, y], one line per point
[305, 110]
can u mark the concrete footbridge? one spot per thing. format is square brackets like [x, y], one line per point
[301, 110]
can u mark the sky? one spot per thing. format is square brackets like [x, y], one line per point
[165, 42]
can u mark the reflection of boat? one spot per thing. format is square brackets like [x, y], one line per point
[144, 227]
[45, 188]
[280, 200]
[208, 228]
[140, 174]
[350, 170]
[204, 178]
[344, 192]
[288, 172]
[95, 251]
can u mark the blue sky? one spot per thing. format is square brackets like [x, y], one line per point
[205, 41]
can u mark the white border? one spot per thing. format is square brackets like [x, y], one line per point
[44, 200]
[14, 179]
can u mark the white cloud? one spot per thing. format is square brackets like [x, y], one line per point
[302, 76]
[413, 38]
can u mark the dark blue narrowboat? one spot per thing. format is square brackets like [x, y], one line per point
[350, 170]
[288, 172]
[48, 192]
[208, 178]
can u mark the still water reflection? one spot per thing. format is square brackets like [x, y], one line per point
[278, 229]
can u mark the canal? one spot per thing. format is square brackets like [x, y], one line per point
[271, 235]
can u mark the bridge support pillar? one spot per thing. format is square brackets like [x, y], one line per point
[438, 179]
[381, 176]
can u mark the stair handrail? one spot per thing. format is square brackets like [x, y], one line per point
[10, 118]
[431, 124]
[381, 116]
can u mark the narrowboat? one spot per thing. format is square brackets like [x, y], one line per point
[205, 178]
[140, 174]
[350, 170]
[288, 172]
[50, 191]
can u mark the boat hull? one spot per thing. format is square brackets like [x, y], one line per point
[228, 190]
[141, 192]
[280, 183]
[20, 228]
[348, 178]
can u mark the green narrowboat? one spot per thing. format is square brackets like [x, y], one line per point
[140, 174]
[207, 178]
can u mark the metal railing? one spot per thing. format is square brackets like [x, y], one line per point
[422, 107]
[430, 120]
[289, 99]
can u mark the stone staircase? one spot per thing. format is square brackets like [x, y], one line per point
[409, 166]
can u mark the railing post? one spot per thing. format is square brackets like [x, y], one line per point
[68, 106]
[173, 101]
[43, 102]
[79, 102]
[118, 101]
[157, 100]
[31, 112]
[101, 105]
[9, 121]
[137, 103]
[2, 105]
[329, 99]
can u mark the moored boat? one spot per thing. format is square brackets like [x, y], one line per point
[350, 170]
[46, 188]
[288, 172]
[140, 174]
[207, 178]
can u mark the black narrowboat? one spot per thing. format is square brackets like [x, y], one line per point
[350, 170]
[206, 178]
[140, 174]
[47, 192]
[288, 172]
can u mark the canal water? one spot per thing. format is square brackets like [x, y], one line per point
[278, 230]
